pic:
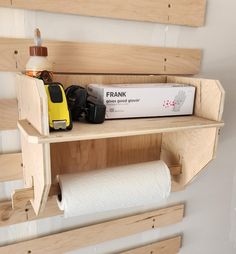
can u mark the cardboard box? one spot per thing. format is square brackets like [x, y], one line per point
[144, 100]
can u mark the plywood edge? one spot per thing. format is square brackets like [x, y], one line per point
[167, 246]
[9, 114]
[47, 179]
[90, 235]
[189, 13]
[11, 167]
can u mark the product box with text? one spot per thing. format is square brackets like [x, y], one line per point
[144, 100]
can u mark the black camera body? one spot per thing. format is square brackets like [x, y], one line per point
[82, 105]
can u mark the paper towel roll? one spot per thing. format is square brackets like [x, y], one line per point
[114, 188]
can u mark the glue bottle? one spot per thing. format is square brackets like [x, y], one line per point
[38, 61]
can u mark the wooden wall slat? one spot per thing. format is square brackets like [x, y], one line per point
[182, 12]
[168, 246]
[10, 217]
[9, 114]
[75, 57]
[5, 3]
[98, 233]
[10, 167]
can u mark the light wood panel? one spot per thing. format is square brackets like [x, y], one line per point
[210, 96]
[193, 149]
[169, 246]
[9, 114]
[6, 3]
[106, 231]
[8, 216]
[72, 157]
[10, 167]
[37, 172]
[182, 12]
[118, 128]
[33, 102]
[21, 197]
[75, 57]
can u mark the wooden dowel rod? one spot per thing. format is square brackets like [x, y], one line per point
[175, 170]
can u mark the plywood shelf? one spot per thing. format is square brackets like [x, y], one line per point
[117, 128]
[179, 140]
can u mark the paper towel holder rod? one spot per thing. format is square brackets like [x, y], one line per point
[21, 197]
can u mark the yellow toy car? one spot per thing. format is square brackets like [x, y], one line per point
[58, 112]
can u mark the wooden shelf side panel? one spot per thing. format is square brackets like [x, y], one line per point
[181, 12]
[36, 172]
[33, 102]
[193, 149]
[77, 57]
[210, 96]
[91, 235]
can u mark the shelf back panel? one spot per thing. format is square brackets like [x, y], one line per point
[74, 157]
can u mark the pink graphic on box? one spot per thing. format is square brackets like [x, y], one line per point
[177, 103]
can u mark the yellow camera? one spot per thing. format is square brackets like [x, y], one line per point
[58, 112]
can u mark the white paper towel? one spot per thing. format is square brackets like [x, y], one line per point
[114, 188]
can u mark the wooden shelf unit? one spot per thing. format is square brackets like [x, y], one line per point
[176, 140]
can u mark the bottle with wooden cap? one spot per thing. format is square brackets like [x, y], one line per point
[38, 61]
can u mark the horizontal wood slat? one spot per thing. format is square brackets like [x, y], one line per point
[76, 57]
[10, 167]
[182, 12]
[10, 217]
[168, 246]
[98, 233]
[8, 113]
